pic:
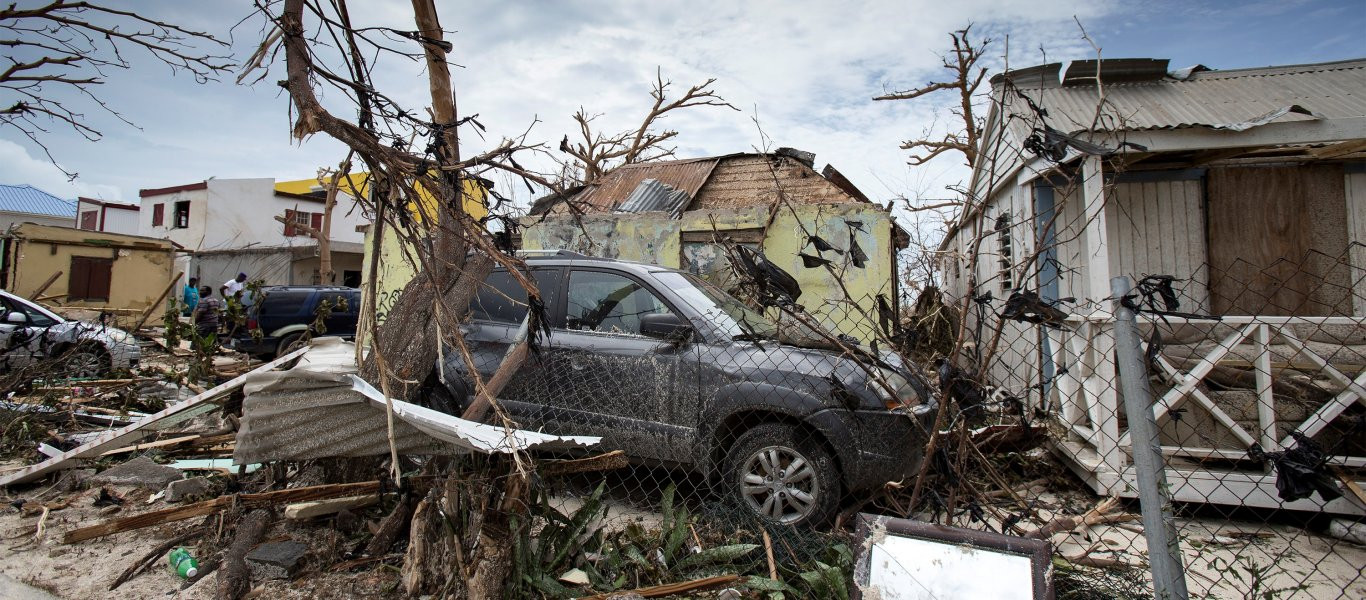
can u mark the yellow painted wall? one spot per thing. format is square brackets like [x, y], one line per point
[358, 185]
[395, 268]
[142, 266]
[657, 239]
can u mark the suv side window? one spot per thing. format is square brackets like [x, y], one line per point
[35, 318]
[281, 303]
[503, 300]
[609, 303]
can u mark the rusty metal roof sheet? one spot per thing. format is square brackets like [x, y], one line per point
[651, 195]
[1219, 99]
[615, 187]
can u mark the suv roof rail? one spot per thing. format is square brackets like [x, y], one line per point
[529, 254]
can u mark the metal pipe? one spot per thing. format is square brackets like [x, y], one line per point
[1164, 547]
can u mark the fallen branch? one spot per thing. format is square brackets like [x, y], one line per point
[234, 579]
[390, 528]
[153, 556]
[671, 589]
[615, 459]
[1098, 515]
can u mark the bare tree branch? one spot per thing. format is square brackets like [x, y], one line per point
[72, 43]
[961, 63]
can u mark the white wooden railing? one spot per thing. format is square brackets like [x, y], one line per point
[1086, 404]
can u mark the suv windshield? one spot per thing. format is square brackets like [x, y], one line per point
[729, 314]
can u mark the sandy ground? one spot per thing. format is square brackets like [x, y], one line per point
[85, 570]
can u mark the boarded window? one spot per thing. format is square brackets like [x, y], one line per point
[89, 279]
[182, 214]
[158, 214]
[90, 220]
[1277, 238]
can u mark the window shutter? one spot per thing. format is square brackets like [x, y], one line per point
[78, 283]
[158, 214]
[289, 225]
[317, 221]
[100, 276]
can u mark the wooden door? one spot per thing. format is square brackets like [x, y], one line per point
[1277, 241]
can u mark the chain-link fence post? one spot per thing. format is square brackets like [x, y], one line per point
[1164, 551]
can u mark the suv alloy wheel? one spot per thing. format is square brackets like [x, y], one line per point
[780, 478]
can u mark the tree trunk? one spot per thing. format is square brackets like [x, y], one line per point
[407, 339]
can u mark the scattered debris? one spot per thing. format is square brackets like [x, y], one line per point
[184, 489]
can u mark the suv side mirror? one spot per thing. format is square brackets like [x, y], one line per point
[665, 326]
[16, 318]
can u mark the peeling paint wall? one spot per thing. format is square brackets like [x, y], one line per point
[395, 268]
[657, 239]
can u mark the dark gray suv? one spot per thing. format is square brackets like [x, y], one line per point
[676, 372]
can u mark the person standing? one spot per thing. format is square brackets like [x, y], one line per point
[190, 296]
[232, 288]
[206, 313]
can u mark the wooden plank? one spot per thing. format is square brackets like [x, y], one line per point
[38, 293]
[134, 431]
[156, 303]
[246, 501]
[150, 445]
[318, 508]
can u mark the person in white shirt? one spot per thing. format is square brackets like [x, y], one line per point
[233, 287]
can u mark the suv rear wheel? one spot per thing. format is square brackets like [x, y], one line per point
[781, 478]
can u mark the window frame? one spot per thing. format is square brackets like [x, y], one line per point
[554, 309]
[176, 215]
[562, 321]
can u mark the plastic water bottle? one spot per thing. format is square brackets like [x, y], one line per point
[183, 564]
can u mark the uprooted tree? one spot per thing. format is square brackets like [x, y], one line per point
[59, 54]
[418, 191]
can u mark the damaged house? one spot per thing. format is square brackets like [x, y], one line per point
[685, 214]
[1248, 187]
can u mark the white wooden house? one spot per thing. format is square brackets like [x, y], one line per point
[1250, 186]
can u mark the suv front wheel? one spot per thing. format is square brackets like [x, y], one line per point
[781, 478]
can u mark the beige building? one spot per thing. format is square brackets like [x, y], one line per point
[70, 267]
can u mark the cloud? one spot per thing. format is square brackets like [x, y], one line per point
[17, 167]
[806, 69]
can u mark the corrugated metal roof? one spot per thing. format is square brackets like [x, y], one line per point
[613, 189]
[33, 201]
[1207, 98]
[651, 195]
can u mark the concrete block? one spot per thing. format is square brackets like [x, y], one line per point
[276, 560]
[140, 472]
[183, 489]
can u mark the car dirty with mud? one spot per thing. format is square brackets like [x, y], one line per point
[678, 373]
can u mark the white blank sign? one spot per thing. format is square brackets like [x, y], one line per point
[905, 568]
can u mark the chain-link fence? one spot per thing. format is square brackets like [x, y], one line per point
[762, 429]
[1257, 377]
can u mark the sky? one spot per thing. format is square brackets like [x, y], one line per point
[804, 71]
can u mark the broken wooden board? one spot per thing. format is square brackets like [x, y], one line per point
[135, 431]
[318, 508]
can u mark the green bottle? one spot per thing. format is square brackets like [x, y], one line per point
[183, 564]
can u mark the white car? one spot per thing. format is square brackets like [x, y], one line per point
[30, 334]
